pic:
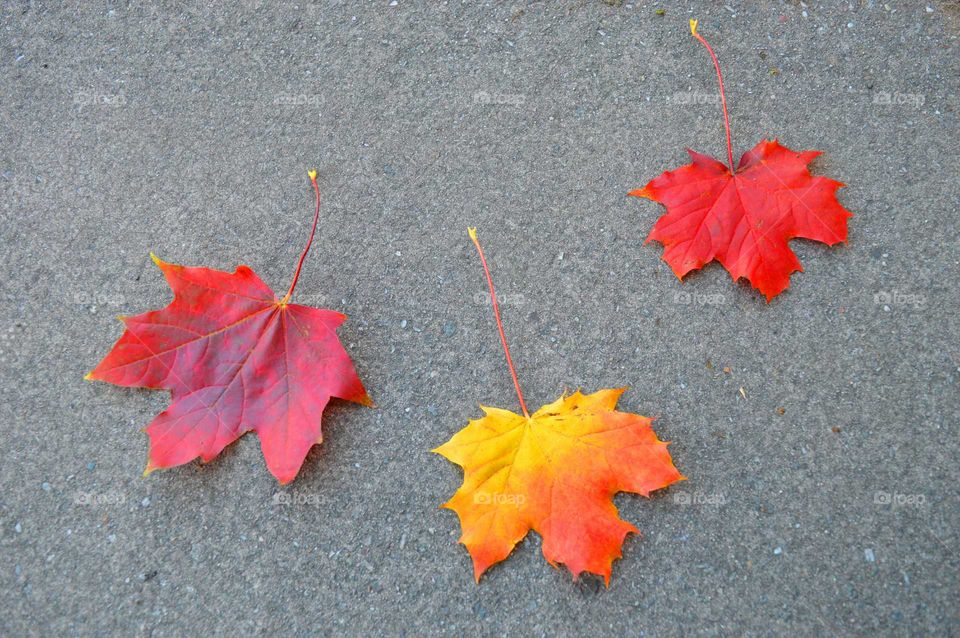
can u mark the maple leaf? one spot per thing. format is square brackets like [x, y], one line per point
[744, 217]
[555, 472]
[235, 359]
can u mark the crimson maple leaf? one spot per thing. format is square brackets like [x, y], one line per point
[235, 359]
[744, 217]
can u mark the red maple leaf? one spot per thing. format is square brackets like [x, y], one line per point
[235, 359]
[744, 217]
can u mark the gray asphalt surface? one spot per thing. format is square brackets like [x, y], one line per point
[821, 500]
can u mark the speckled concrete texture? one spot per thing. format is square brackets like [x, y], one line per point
[819, 432]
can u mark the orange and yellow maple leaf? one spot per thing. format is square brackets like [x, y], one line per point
[556, 473]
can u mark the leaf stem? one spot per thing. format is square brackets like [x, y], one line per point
[723, 96]
[306, 249]
[496, 313]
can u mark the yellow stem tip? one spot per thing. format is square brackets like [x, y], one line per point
[473, 232]
[693, 27]
[313, 174]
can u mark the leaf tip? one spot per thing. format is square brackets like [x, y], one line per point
[88, 376]
[155, 259]
[693, 27]
[478, 570]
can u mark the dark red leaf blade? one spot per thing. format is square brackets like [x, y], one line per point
[235, 359]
